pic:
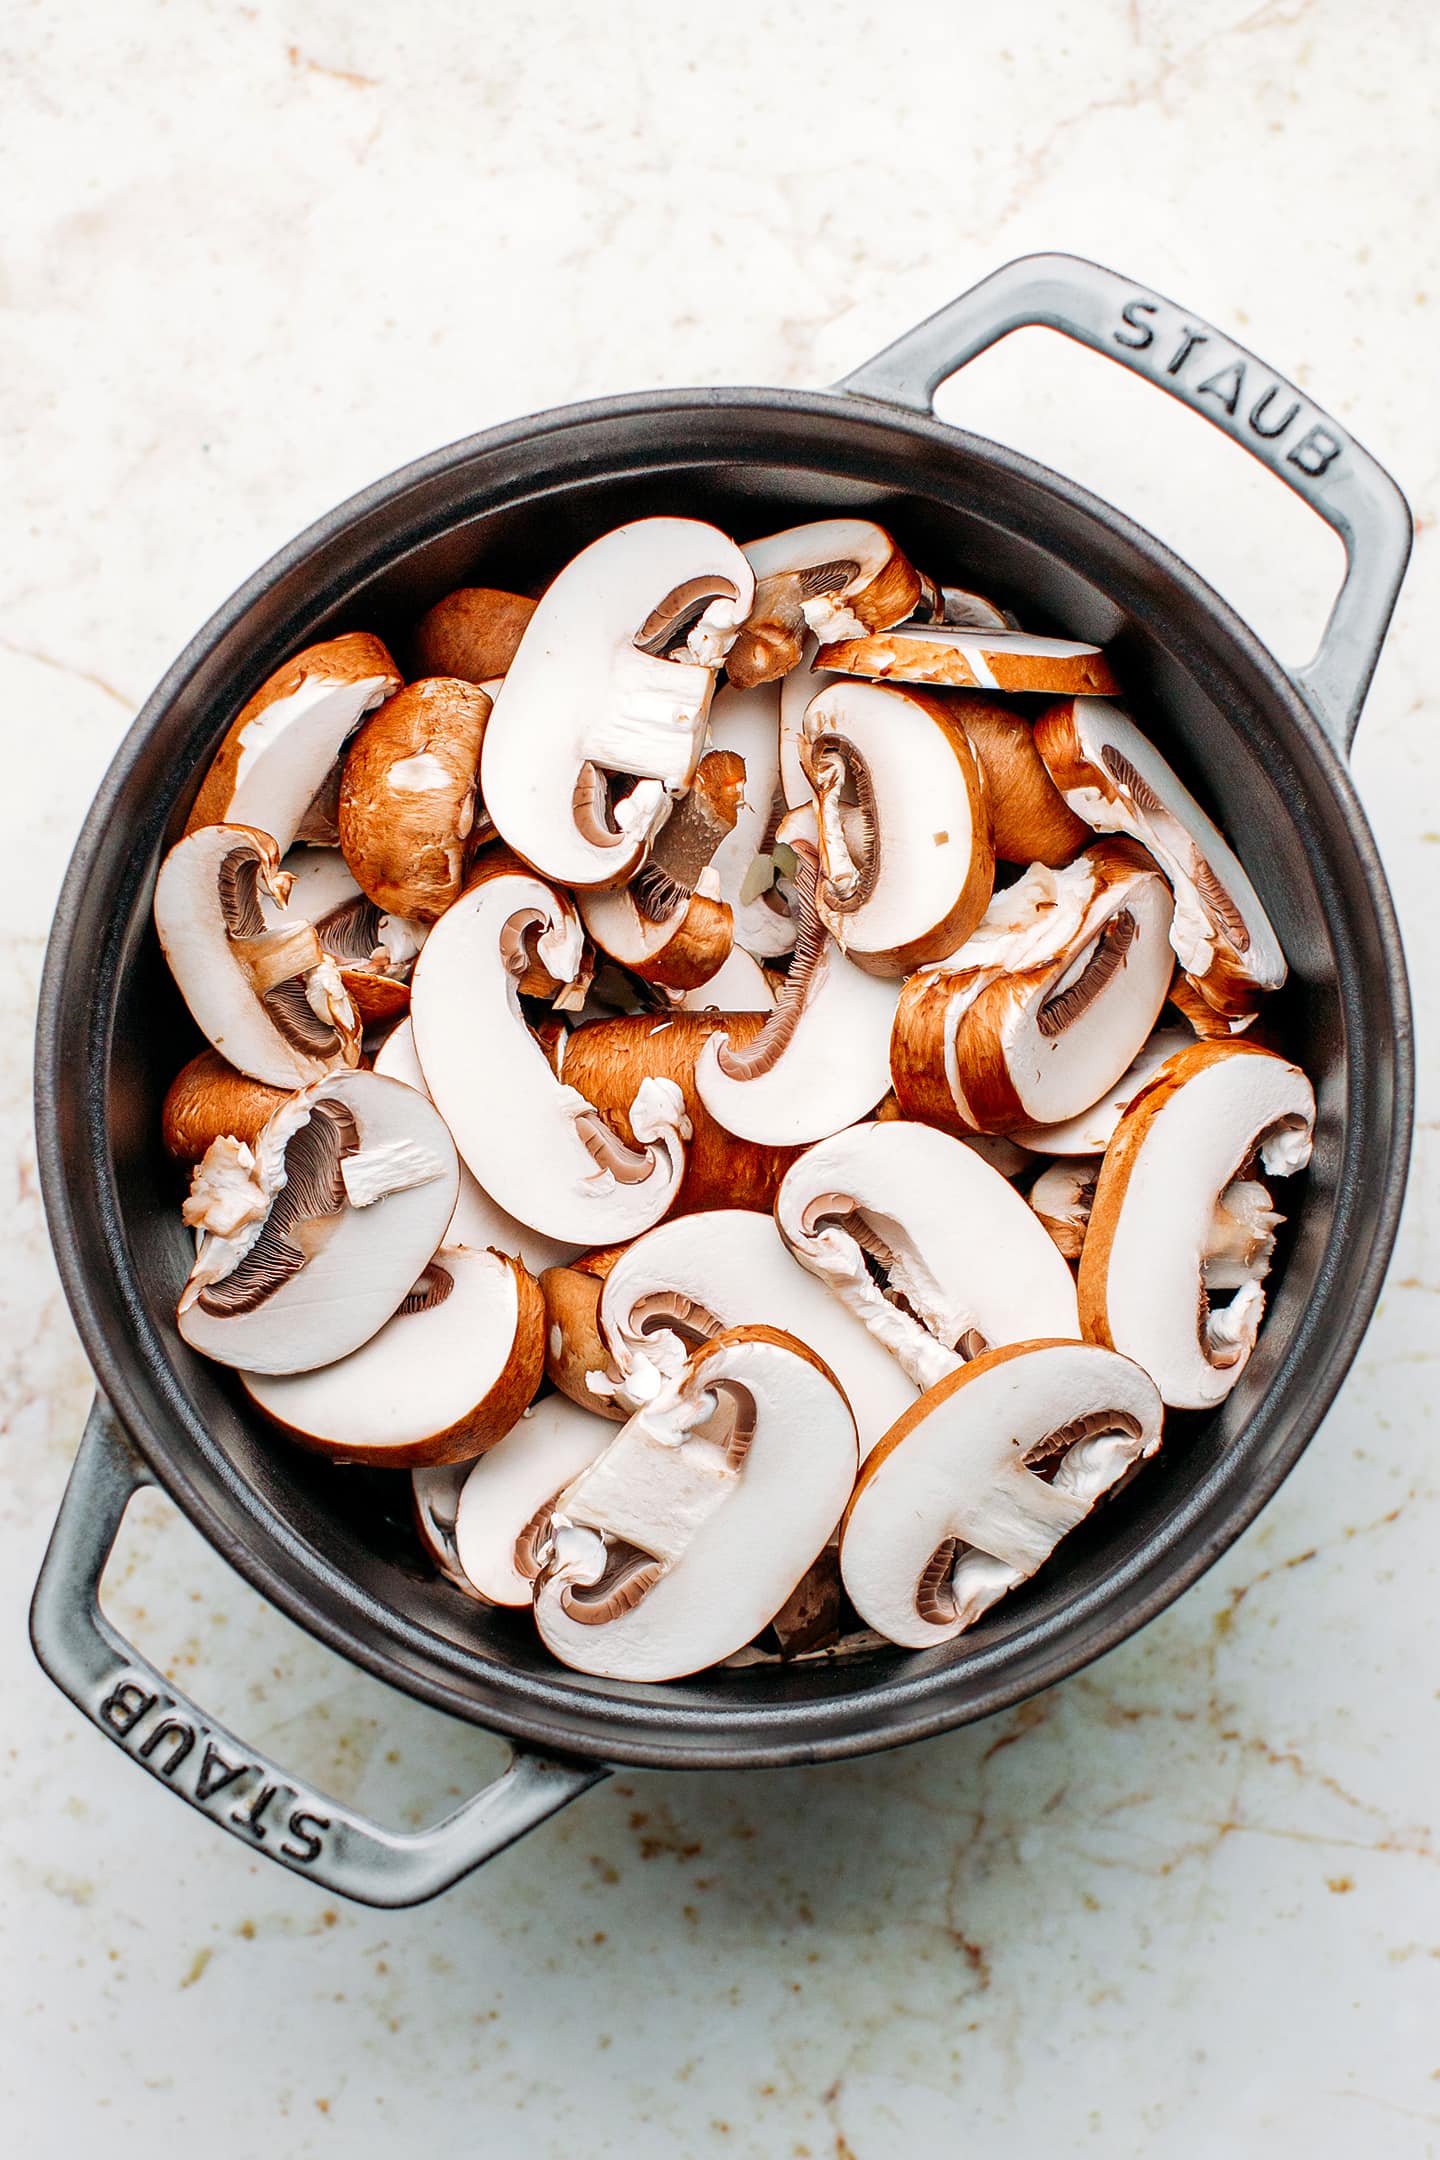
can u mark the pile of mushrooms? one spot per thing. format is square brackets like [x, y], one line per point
[733, 1073]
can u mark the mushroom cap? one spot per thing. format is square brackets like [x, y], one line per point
[1181, 1142]
[268, 1000]
[373, 950]
[1030, 820]
[439, 1383]
[700, 1274]
[747, 723]
[949, 1513]
[669, 925]
[1047, 1004]
[313, 1239]
[1091, 1132]
[473, 633]
[506, 1496]
[1061, 1198]
[407, 796]
[1117, 781]
[675, 1547]
[961, 659]
[280, 751]
[957, 1241]
[536, 1145]
[907, 873]
[208, 1097]
[739, 985]
[435, 1490]
[583, 699]
[478, 1221]
[966, 610]
[835, 577]
[574, 1346]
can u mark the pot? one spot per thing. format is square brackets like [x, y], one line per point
[334, 1549]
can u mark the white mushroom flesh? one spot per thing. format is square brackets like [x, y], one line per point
[1090, 1133]
[502, 1522]
[748, 722]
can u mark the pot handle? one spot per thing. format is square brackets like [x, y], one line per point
[1183, 354]
[236, 1785]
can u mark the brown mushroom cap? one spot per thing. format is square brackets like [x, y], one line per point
[574, 1346]
[472, 634]
[209, 1097]
[1030, 820]
[972, 660]
[407, 798]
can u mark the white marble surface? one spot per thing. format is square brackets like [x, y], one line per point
[254, 255]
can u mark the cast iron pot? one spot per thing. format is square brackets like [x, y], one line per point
[334, 1548]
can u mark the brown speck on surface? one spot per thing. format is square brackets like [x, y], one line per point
[942, 839]
[605, 1869]
[246, 1929]
[1339, 1883]
[197, 1968]
[323, 2106]
[303, 62]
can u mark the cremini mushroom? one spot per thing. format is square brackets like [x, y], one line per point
[669, 924]
[905, 868]
[1030, 820]
[473, 633]
[1090, 1133]
[575, 1351]
[311, 1239]
[978, 1482]
[407, 816]
[1200, 1122]
[798, 693]
[1116, 779]
[1047, 1004]
[965, 610]
[269, 1000]
[209, 1097]
[927, 1245]
[739, 985]
[821, 1059]
[502, 1517]
[537, 1146]
[747, 722]
[443, 1379]
[435, 1490]
[607, 1060]
[613, 676]
[372, 950]
[838, 577]
[691, 1530]
[689, 1279]
[961, 659]
[284, 749]
[478, 1220]
[1238, 1248]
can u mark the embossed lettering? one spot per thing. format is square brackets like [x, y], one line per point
[1146, 333]
[181, 1737]
[248, 1816]
[125, 1705]
[1315, 451]
[1189, 339]
[1259, 409]
[1226, 384]
[216, 1773]
[307, 1830]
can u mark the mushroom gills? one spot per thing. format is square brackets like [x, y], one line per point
[302, 1212]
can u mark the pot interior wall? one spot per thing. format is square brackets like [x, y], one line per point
[336, 1544]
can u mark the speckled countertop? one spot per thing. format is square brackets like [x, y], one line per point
[255, 255]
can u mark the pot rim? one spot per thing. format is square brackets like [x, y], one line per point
[871, 1713]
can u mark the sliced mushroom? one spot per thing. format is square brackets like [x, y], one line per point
[798, 692]
[607, 1060]
[812, 1615]
[1238, 1249]
[906, 867]
[1090, 1133]
[978, 1482]
[537, 1146]
[690, 1279]
[594, 692]
[961, 659]
[313, 1238]
[680, 1542]
[435, 1497]
[821, 1059]
[965, 610]
[1195, 1128]
[478, 1221]
[270, 1001]
[286, 744]
[1203, 1018]
[502, 1519]
[839, 577]
[1030, 820]
[1048, 1003]
[747, 722]
[443, 1380]
[927, 1245]
[472, 634]
[741, 985]
[669, 925]
[373, 951]
[407, 815]
[576, 1353]
[208, 1097]
[1115, 778]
